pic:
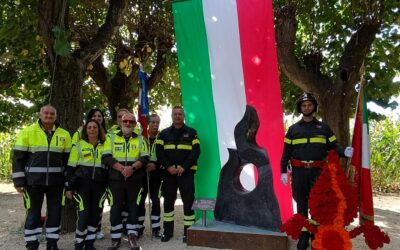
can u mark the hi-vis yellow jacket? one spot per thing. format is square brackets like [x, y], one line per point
[126, 151]
[77, 136]
[85, 163]
[37, 161]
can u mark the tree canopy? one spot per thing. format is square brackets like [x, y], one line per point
[37, 45]
[323, 47]
[23, 72]
[325, 28]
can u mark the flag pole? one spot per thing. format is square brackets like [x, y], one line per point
[145, 134]
[360, 161]
[362, 81]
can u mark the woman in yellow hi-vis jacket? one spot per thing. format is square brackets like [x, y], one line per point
[87, 182]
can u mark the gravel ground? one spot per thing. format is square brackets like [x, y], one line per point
[12, 215]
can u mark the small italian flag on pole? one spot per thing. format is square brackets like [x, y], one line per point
[227, 60]
[361, 161]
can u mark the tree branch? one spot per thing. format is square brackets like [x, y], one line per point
[114, 19]
[99, 76]
[354, 54]
[307, 79]
[164, 47]
[49, 16]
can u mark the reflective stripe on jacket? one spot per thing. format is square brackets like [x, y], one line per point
[37, 162]
[178, 147]
[152, 147]
[85, 162]
[124, 151]
[308, 141]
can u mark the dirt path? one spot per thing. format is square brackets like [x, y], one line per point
[12, 215]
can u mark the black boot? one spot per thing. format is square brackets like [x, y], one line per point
[90, 246]
[32, 245]
[52, 246]
[303, 241]
[133, 242]
[157, 234]
[168, 231]
[79, 246]
[166, 237]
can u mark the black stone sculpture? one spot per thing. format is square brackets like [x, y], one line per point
[235, 204]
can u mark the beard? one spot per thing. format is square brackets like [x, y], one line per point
[127, 131]
[308, 114]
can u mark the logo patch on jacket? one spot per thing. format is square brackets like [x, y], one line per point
[118, 149]
[319, 126]
[186, 135]
[62, 139]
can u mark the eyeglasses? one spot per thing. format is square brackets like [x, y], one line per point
[128, 121]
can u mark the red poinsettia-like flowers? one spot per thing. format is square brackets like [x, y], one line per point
[333, 205]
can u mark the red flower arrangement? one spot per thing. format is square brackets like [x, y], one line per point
[294, 225]
[333, 205]
[374, 237]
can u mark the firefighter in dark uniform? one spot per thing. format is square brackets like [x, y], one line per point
[125, 154]
[87, 182]
[40, 156]
[178, 149]
[306, 146]
[154, 173]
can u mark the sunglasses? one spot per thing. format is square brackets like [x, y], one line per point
[128, 121]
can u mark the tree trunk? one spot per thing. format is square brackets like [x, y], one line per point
[66, 97]
[66, 93]
[336, 113]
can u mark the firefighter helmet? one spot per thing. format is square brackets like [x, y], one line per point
[306, 97]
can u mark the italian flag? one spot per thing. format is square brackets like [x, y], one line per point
[227, 59]
[361, 161]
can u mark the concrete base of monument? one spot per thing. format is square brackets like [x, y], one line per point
[222, 235]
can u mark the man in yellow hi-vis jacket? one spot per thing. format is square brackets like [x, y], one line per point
[125, 153]
[153, 181]
[40, 156]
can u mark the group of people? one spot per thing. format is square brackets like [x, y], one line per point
[123, 166]
[118, 165]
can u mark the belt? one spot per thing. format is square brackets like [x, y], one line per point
[306, 164]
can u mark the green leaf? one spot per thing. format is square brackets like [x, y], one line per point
[62, 45]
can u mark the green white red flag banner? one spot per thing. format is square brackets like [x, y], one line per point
[361, 161]
[227, 59]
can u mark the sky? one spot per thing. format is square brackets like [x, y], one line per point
[393, 114]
